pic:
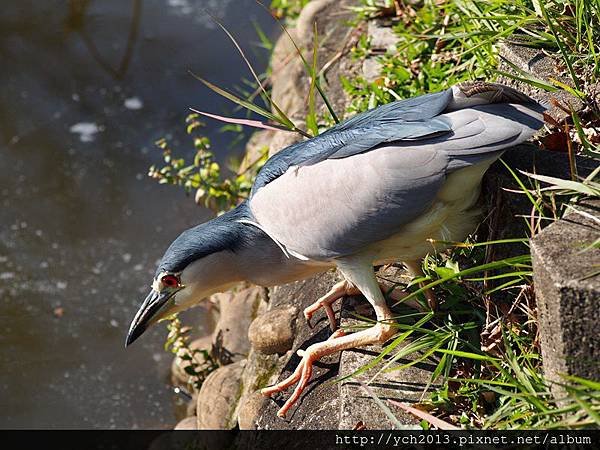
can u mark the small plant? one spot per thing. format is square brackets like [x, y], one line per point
[196, 362]
[204, 175]
[288, 9]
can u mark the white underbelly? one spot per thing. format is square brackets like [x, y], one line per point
[451, 218]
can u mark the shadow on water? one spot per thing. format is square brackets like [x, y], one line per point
[86, 88]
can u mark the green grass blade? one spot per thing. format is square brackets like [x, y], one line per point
[567, 185]
[389, 348]
[468, 355]
[281, 114]
[559, 42]
[311, 118]
[386, 410]
[306, 65]
[523, 188]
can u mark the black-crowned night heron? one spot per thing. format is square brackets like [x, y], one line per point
[373, 189]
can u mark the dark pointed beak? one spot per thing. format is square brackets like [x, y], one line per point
[155, 304]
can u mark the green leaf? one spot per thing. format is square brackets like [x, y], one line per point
[244, 103]
[311, 118]
[560, 183]
[469, 355]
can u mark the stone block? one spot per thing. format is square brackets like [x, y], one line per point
[219, 398]
[405, 385]
[273, 331]
[567, 286]
[541, 66]
[189, 423]
[381, 36]
[318, 407]
[237, 311]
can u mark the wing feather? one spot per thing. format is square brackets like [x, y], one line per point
[336, 207]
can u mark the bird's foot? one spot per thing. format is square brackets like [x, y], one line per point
[303, 372]
[301, 376]
[339, 290]
[338, 341]
[345, 288]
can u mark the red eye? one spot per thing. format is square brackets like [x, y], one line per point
[170, 281]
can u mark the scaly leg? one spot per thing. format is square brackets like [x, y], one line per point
[343, 289]
[362, 276]
[339, 290]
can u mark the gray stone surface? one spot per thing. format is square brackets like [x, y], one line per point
[406, 384]
[237, 311]
[567, 285]
[273, 331]
[318, 407]
[219, 397]
[381, 39]
[189, 423]
[381, 36]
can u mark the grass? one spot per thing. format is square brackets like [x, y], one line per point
[484, 340]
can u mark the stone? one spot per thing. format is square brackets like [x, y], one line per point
[189, 423]
[290, 81]
[261, 371]
[273, 331]
[404, 385]
[219, 397]
[319, 405]
[178, 374]
[237, 311]
[190, 408]
[567, 286]
[371, 68]
[250, 407]
[381, 36]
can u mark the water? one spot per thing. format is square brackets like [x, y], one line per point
[86, 87]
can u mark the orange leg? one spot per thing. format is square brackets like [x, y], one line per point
[360, 274]
[377, 334]
[339, 290]
[346, 288]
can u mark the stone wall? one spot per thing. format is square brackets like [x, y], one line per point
[260, 330]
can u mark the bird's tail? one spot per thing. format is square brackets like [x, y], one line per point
[474, 93]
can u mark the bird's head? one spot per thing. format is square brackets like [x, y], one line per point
[200, 262]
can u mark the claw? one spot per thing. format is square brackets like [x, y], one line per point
[308, 316]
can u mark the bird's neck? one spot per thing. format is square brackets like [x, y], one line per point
[259, 260]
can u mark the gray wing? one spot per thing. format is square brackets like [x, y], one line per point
[412, 118]
[337, 207]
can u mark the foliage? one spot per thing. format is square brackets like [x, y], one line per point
[204, 175]
[486, 354]
[443, 42]
[197, 363]
[288, 9]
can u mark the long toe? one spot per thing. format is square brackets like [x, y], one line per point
[282, 385]
[307, 368]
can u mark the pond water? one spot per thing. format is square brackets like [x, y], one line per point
[86, 87]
